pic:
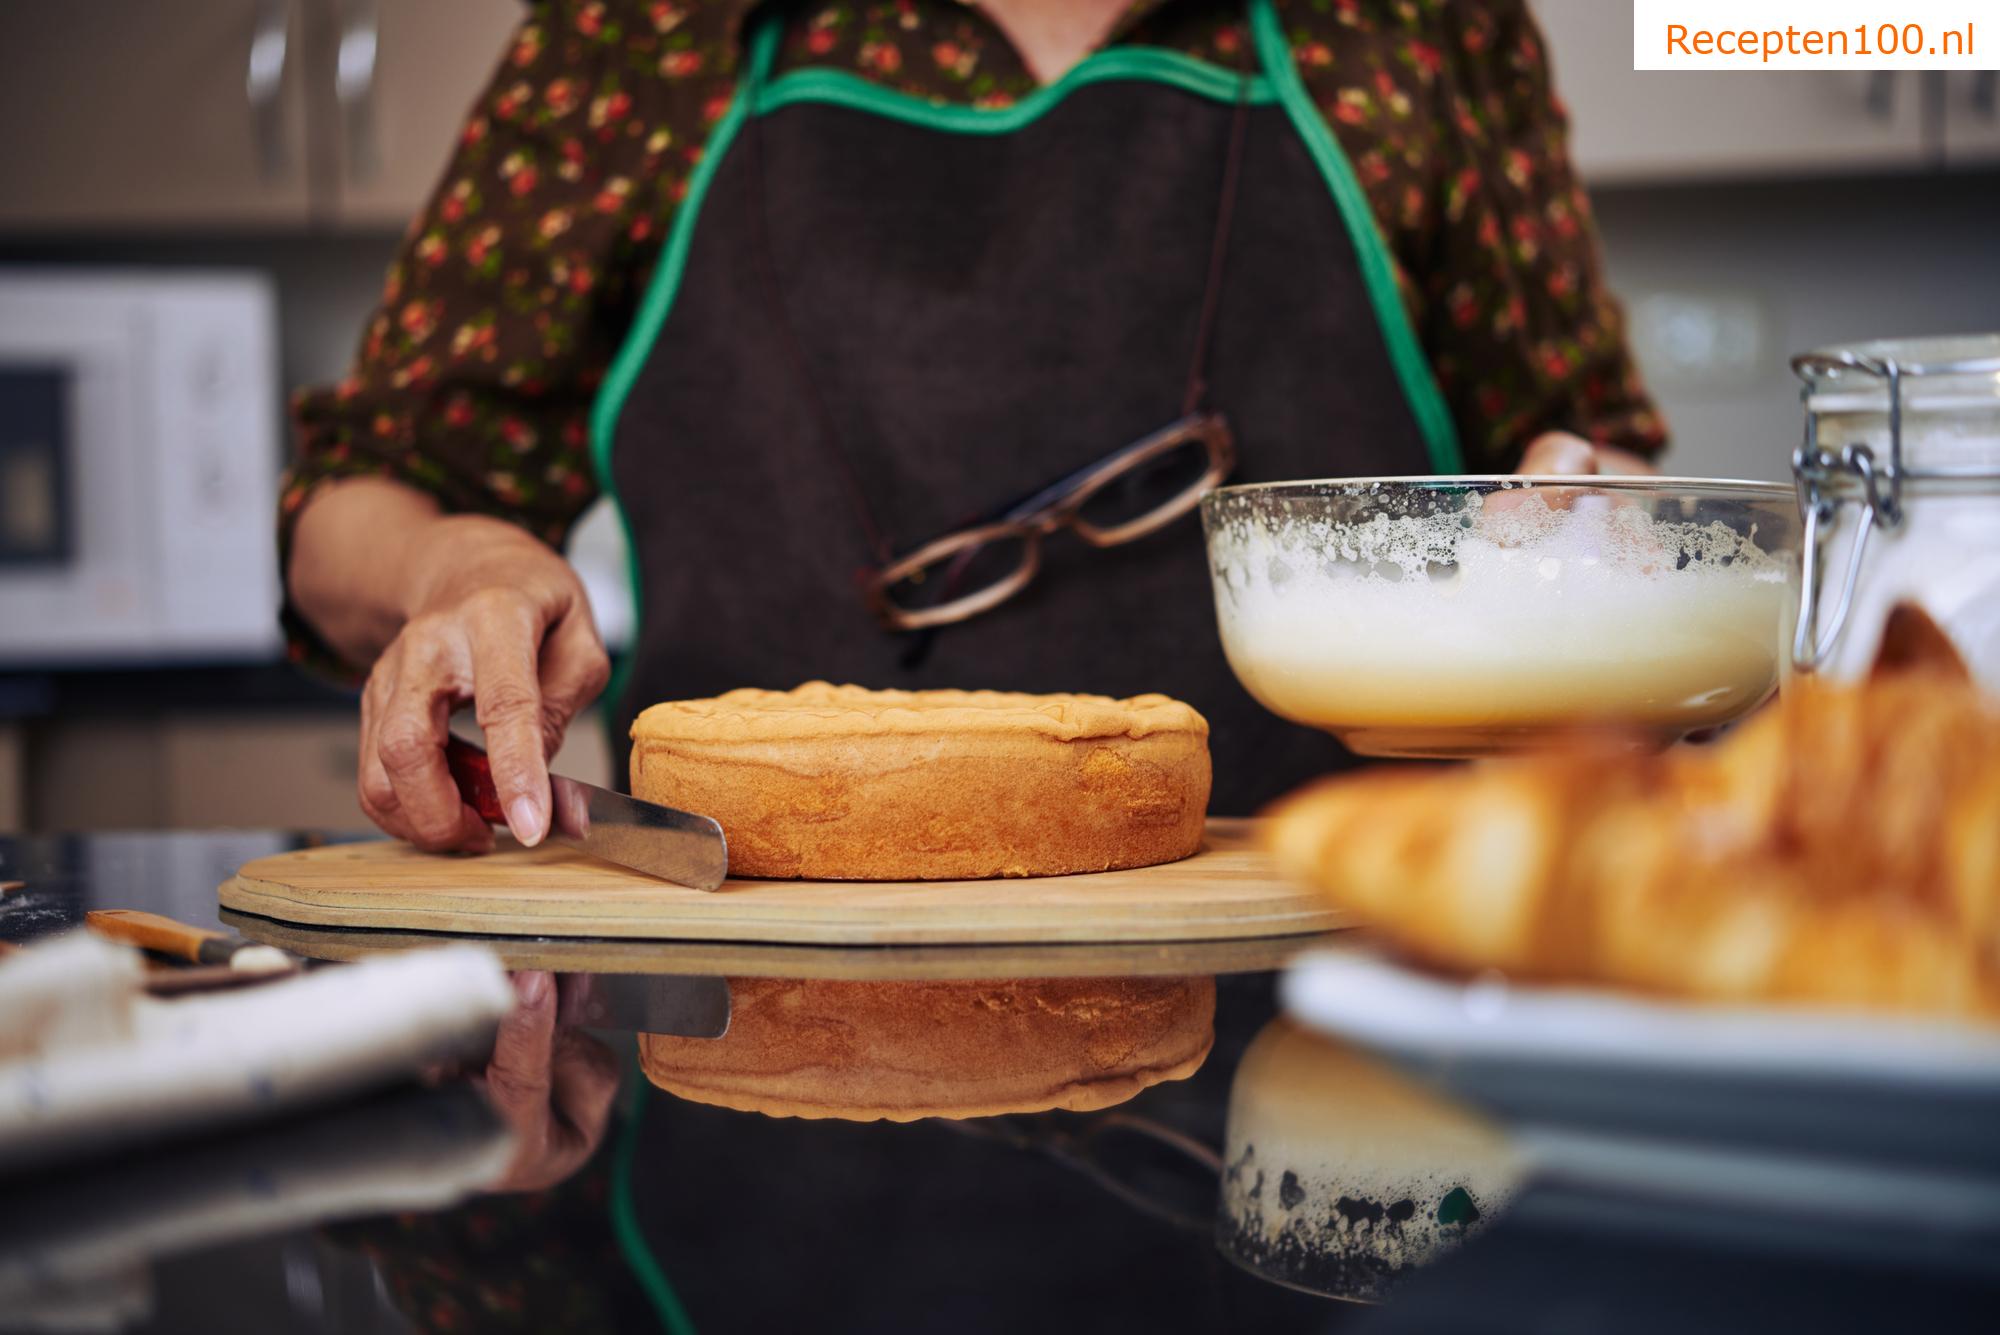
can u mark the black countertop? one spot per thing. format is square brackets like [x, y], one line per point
[114, 691]
[754, 1223]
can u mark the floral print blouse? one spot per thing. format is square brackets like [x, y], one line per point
[515, 285]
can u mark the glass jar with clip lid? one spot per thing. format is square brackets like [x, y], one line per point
[1899, 481]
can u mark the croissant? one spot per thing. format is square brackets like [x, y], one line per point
[1841, 848]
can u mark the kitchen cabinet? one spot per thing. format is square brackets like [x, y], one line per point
[130, 115]
[401, 76]
[1971, 117]
[13, 764]
[1644, 126]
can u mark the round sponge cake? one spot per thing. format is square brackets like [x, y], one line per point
[841, 783]
[898, 1051]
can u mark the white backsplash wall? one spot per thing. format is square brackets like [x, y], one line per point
[1723, 284]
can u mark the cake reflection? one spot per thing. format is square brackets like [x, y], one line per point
[901, 1051]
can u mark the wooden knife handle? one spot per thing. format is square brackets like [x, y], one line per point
[473, 774]
[151, 931]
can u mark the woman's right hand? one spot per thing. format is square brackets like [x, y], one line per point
[550, 1082]
[496, 618]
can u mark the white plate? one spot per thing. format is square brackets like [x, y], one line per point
[1372, 1001]
[1843, 1130]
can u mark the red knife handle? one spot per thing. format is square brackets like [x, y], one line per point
[473, 774]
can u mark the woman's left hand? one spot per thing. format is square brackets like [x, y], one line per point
[1560, 453]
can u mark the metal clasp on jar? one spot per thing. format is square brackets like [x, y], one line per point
[1819, 473]
[1873, 481]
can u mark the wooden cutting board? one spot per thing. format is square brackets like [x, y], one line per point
[1227, 891]
[761, 959]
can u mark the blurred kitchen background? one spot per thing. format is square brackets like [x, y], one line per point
[198, 199]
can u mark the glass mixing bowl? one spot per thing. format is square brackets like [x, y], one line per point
[1468, 616]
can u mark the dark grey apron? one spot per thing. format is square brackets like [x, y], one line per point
[987, 300]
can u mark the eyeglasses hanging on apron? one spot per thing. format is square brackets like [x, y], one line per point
[1124, 496]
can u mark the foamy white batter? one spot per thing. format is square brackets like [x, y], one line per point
[1527, 619]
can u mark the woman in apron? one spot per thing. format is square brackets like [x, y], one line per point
[878, 323]
[875, 319]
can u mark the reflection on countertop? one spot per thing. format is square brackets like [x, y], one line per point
[906, 1050]
[1329, 1176]
[881, 1225]
[73, 1240]
[1341, 1176]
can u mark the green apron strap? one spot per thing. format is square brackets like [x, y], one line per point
[763, 54]
[652, 313]
[1378, 268]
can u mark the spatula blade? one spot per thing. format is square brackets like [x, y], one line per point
[676, 846]
[649, 1003]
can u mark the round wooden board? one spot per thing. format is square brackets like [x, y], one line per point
[750, 959]
[1227, 891]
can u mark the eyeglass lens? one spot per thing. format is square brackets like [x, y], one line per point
[960, 574]
[1156, 484]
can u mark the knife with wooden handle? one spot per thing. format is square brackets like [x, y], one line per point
[197, 945]
[661, 842]
[688, 1006]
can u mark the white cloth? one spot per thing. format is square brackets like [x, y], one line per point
[127, 1068]
[75, 991]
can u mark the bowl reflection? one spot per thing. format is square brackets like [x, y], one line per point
[1340, 1176]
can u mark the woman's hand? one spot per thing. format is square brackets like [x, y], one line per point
[1559, 452]
[496, 618]
[552, 1084]
[449, 610]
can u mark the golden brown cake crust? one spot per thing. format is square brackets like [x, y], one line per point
[842, 783]
[868, 1051]
[820, 709]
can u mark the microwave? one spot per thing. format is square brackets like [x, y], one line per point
[139, 459]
